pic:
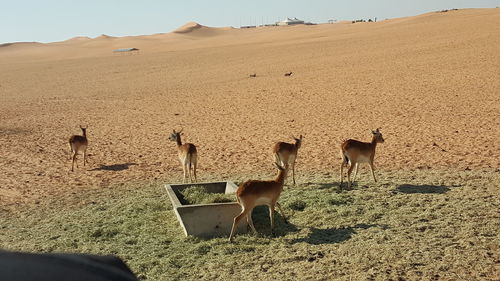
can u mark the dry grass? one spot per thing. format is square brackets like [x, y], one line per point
[412, 225]
[200, 195]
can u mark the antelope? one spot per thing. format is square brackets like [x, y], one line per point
[187, 155]
[355, 152]
[253, 75]
[78, 143]
[254, 193]
[289, 73]
[286, 153]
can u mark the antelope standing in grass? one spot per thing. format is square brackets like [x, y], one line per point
[254, 193]
[79, 144]
[187, 155]
[355, 152]
[286, 153]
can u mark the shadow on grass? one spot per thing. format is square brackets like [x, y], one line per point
[320, 236]
[326, 185]
[410, 188]
[262, 222]
[114, 167]
[336, 186]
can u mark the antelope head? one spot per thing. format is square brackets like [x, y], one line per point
[298, 141]
[84, 130]
[175, 135]
[378, 135]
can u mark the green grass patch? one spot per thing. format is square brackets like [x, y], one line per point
[412, 225]
[200, 195]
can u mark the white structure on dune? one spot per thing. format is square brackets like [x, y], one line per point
[290, 21]
[126, 50]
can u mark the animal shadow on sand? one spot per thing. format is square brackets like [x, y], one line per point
[114, 167]
[320, 236]
[12, 131]
[411, 188]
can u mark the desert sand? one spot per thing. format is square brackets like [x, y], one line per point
[430, 82]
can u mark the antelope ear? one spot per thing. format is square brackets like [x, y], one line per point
[301, 137]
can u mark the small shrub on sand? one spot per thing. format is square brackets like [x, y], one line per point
[200, 195]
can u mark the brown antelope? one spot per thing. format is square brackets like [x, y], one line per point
[355, 152]
[254, 193]
[253, 75]
[79, 144]
[286, 153]
[289, 73]
[187, 154]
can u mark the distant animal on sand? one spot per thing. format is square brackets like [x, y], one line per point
[187, 155]
[286, 153]
[79, 144]
[254, 193]
[289, 73]
[253, 75]
[355, 152]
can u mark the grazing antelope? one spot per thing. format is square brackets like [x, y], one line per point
[286, 153]
[187, 154]
[355, 152]
[254, 193]
[79, 143]
[253, 75]
[289, 73]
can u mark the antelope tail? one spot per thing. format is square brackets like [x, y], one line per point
[279, 161]
[346, 160]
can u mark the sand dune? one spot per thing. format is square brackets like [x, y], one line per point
[430, 82]
[188, 27]
[78, 39]
[104, 37]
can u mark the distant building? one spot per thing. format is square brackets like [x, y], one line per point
[126, 50]
[290, 21]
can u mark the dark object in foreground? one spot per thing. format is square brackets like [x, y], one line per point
[62, 267]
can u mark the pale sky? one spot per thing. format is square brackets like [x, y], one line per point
[57, 20]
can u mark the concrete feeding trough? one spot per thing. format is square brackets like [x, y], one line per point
[206, 220]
